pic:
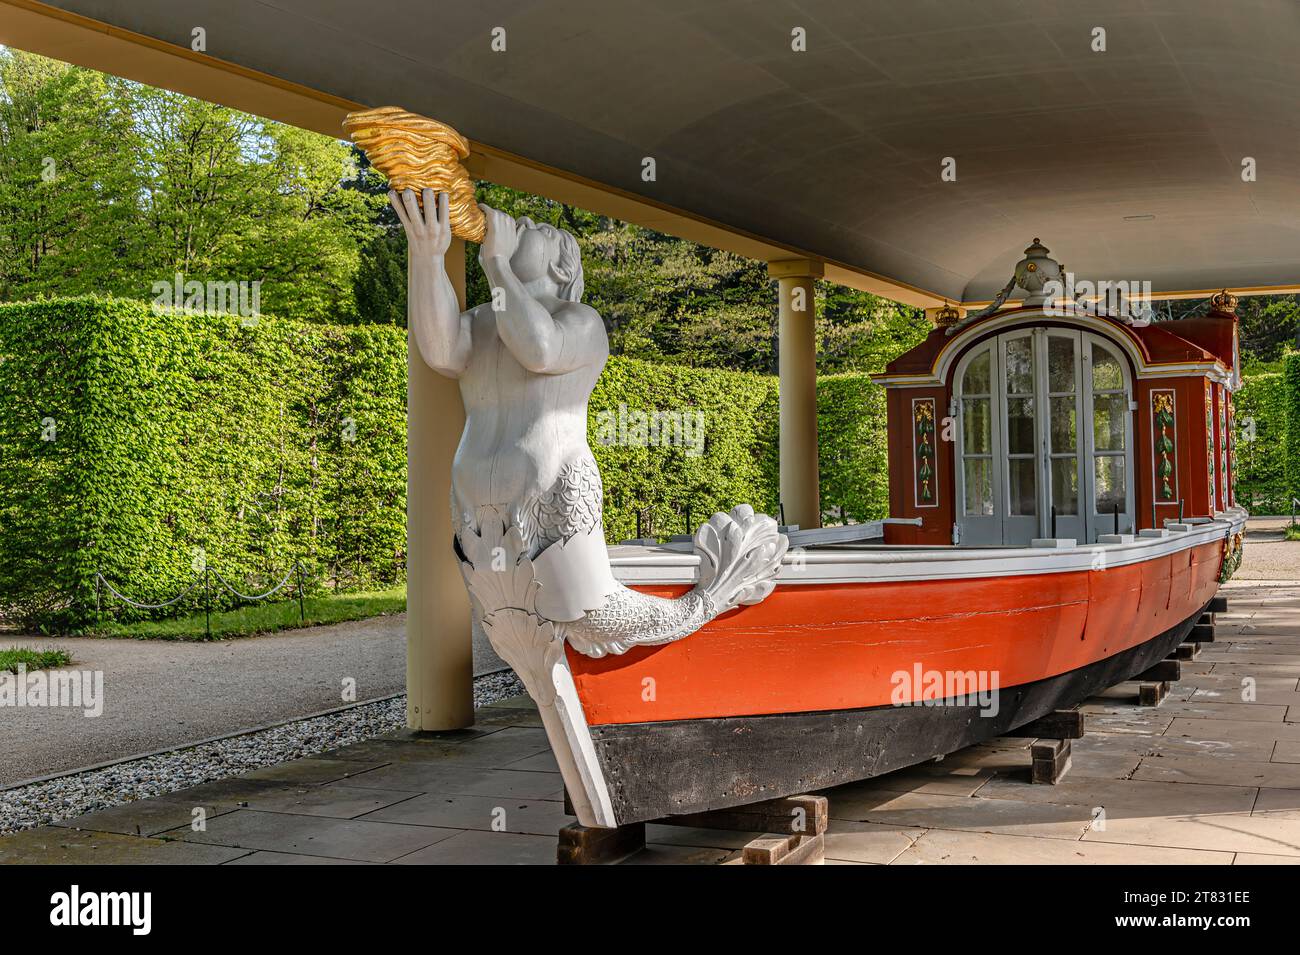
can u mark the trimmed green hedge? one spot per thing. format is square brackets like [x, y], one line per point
[714, 445]
[1290, 405]
[1258, 408]
[1267, 411]
[853, 447]
[142, 442]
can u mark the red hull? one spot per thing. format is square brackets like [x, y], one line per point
[817, 647]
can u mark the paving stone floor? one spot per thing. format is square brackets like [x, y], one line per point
[1208, 777]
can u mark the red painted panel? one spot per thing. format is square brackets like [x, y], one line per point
[822, 647]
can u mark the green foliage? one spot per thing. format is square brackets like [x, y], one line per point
[108, 187]
[142, 442]
[852, 447]
[1269, 324]
[1291, 412]
[1267, 412]
[739, 464]
[14, 657]
[1260, 416]
[663, 480]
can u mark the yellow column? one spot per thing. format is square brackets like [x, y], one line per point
[439, 653]
[798, 378]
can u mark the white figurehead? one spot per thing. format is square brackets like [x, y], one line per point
[526, 493]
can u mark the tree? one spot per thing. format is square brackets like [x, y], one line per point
[1269, 323]
[109, 186]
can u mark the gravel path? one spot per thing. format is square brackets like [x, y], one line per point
[161, 694]
[1268, 555]
[40, 803]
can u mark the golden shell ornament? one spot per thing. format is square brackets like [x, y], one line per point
[419, 153]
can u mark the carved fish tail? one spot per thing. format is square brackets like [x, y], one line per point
[630, 619]
[740, 555]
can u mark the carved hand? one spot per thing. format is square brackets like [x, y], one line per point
[502, 234]
[428, 233]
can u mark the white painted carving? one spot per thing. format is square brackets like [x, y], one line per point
[526, 492]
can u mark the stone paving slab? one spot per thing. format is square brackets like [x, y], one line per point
[538, 817]
[52, 845]
[1286, 751]
[475, 847]
[941, 847]
[464, 781]
[314, 835]
[1220, 771]
[146, 817]
[289, 858]
[336, 801]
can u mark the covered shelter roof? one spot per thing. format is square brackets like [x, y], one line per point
[1129, 161]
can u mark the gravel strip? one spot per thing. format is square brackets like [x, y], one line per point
[41, 803]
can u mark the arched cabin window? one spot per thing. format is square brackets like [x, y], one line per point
[1046, 438]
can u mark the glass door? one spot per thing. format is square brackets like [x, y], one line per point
[1019, 496]
[1061, 449]
[978, 473]
[1108, 399]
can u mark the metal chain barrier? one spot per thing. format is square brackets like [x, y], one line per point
[205, 578]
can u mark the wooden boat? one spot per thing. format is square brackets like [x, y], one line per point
[1034, 559]
[1061, 514]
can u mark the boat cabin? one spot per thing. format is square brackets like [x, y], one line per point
[1060, 416]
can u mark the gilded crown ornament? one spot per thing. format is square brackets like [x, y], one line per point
[1224, 302]
[947, 316]
[419, 153]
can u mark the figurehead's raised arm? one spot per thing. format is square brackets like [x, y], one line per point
[439, 328]
[527, 265]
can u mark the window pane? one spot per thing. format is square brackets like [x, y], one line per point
[1064, 425]
[1060, 363]
[1109, 416]
[979, 486]
[1065, 485]
[1020, 366]
[1024, 500]
[1106, 374]
[976, 379]
[975, 426]
[1020, 426]
[1110, 483]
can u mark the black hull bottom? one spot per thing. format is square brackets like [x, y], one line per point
[684, 766]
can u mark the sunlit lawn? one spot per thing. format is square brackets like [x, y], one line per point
[267, 617]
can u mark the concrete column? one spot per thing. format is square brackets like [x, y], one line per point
[798, 378]
[439, 653]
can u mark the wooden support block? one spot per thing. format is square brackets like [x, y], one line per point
[1186, 651]
[1051, 761]
[1166, 671]
[1218, 605]
[1152, 694]
[1200, 633]
[1206, 618]
[792, 815]
[589, 845]
[785, 850]
[1058, 724]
